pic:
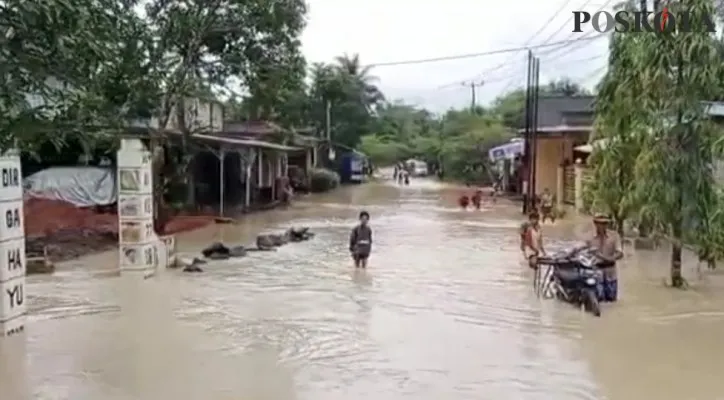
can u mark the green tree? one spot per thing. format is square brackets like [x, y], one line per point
[352, 95]
[197, 45]
[673, 172]
[565, 87]
[621, 132]
[66, 71]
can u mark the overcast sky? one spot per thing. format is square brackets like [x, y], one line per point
[395, 30]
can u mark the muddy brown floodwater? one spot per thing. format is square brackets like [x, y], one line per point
[445, 311]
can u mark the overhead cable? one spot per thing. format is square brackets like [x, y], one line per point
[481, 54]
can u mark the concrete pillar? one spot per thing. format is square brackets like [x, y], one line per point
[560, 187]
[247, 157]
[578, 185]
[12, 246]
[260, 167]
[140, 249]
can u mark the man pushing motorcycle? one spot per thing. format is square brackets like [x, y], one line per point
[607, 246]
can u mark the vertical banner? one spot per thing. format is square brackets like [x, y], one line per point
[12, 246]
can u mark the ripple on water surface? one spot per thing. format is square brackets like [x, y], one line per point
[445, 310]
[444, 306]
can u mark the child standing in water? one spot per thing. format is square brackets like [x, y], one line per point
[360, 241]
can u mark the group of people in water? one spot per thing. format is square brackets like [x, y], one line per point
[476, 199]
[605, 242]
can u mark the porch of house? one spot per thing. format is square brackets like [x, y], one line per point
[234, 176]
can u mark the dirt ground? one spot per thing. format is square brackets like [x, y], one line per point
[70, 232]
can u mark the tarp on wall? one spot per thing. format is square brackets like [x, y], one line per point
[80, 186]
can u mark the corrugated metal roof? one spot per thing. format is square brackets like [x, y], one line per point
[247, 142]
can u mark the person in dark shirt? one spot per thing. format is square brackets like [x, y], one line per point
[360, 241]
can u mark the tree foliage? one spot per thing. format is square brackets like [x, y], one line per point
[77, 66]
[459, 140]
[651, 111]
[67, 68]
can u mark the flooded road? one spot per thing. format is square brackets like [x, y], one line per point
[445, 310]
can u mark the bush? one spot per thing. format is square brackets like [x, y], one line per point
[323, 180]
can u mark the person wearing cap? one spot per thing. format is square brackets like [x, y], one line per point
[531, 239]
[607, 244]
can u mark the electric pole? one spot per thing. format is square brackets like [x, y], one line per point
[328, 120]
[473, 86]
[526, 165]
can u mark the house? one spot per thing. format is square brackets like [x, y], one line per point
[235, 164]
[564, 123]
[267, 161]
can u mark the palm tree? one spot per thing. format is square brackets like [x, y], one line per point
[350, 67]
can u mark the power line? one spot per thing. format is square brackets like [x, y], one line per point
[530, 39]
[513, 80]
[566, 23]
[481, 54]
[571, 44]
[557, 61]
[592, 74]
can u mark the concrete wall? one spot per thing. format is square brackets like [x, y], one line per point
[551, 152]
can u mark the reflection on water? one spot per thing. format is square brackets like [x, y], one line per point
[445, 310]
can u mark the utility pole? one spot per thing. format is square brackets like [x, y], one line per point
[526, 164]
[328, 120]
[473, 86]
[328, 130]
[534, 124]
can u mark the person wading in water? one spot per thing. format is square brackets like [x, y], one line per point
[360, 241]
[531, 239]
[546, 206]
[607, 245]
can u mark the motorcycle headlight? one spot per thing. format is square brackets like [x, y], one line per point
[590, 281]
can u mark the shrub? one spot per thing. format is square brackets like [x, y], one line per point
[323, 179]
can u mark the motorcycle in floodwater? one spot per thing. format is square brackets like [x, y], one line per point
[572, 276]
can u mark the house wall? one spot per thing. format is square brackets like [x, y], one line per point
[551, 153]
[201, 116]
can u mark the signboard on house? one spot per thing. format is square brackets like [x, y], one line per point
[12, 246]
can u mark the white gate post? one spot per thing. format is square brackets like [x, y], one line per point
[12, 246]
[136, 238]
